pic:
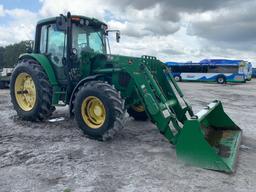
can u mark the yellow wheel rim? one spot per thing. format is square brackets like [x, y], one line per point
[93, 112]
[25, 91]
[138, 108]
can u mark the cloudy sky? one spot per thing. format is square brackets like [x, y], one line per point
[172, 30]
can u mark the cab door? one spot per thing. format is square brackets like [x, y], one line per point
[53, 43]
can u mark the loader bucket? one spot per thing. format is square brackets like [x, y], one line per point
[210, 140]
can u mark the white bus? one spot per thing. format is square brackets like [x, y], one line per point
[210, 70]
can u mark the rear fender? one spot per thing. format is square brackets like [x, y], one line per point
[45, 63]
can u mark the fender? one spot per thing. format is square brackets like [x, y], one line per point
[81, 82]
[45, 63]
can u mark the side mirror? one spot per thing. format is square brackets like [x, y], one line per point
[29, 46]
[118, 36]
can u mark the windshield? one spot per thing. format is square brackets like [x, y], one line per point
[87, 38]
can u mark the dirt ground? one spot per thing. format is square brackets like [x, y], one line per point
[56, 156]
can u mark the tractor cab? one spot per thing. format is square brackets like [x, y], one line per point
[58, 35]
[65, 39]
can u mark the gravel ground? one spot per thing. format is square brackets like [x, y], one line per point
[56, 156]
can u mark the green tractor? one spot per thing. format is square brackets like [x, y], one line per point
[69, 65]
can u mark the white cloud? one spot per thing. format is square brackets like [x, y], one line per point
[91, 8]
[20, 26]
[168, 29]
[15, 33]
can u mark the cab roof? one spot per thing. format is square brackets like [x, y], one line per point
[52, 19]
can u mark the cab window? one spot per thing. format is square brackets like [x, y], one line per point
[53, 42]
[87, 39]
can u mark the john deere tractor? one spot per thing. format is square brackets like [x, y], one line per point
[69, 65]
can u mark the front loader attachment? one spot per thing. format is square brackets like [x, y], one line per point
[210, 140]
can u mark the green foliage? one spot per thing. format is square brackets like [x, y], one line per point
[1, 57]
[10, 53]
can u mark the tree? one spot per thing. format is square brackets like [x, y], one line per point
[10, 53]
[1, 57]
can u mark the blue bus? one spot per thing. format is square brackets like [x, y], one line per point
[210, 70]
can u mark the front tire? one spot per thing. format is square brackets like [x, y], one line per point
[98, 110]
[31, 92]
[177, 78]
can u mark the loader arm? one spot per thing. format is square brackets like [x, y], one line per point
[208, 139]
[157, 91]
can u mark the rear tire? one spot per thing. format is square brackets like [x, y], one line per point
[98, 110]
[138, 113]
[221, 79]
[40, 107]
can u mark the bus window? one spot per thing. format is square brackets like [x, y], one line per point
[230, 69]
[184, 69]
[212, 69]
[204, 69]
[223, 69]
[195, 69]
[175, 69]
